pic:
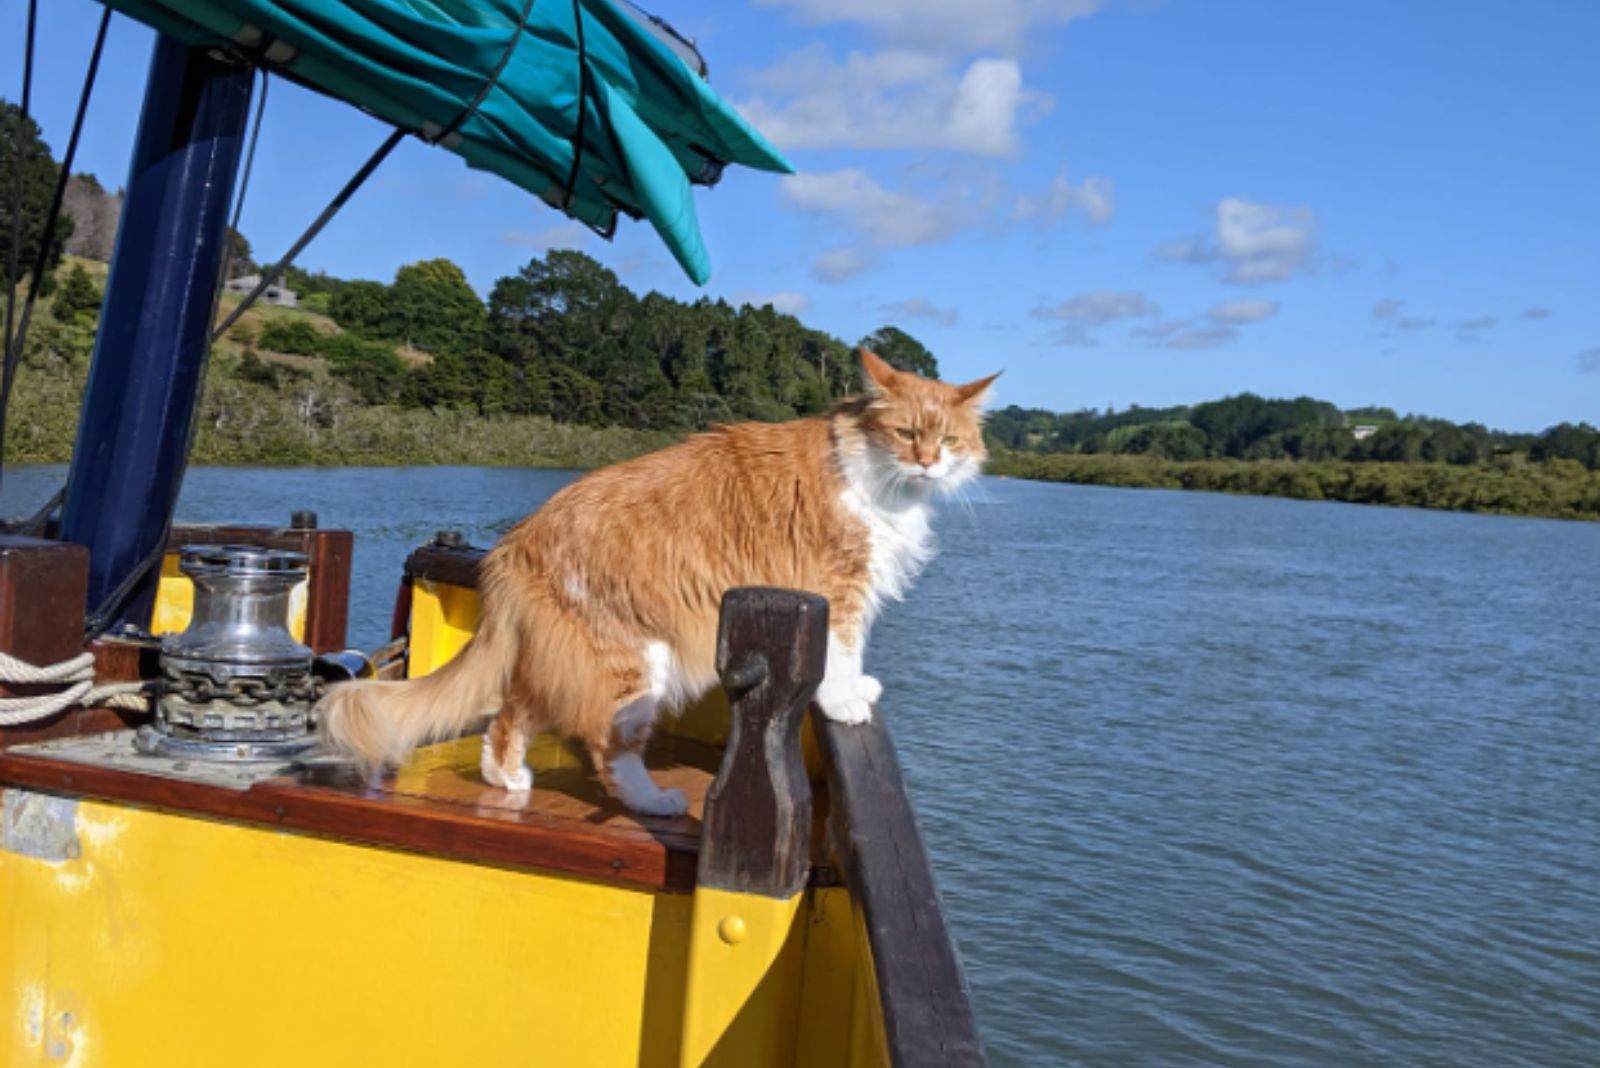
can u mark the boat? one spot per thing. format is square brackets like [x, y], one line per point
[186, 880]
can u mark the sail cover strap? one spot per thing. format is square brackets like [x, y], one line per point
[489, 82]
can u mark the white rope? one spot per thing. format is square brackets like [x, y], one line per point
[79, 672]
[78, 668]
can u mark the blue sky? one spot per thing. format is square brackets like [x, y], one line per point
[1127, 201]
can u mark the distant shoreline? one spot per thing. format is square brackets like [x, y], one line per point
[1560, 489]
[384, 437]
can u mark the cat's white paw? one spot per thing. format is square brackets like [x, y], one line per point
[848, 710]
[869, 689]
[518, 782]
[661, 803]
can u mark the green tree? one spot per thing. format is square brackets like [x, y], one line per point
[78, 295]
[566, 308]
[38, 186]
[237, 255]
[296, 336]
[902, 351]
[431, 307]
[361, 307]
[371, 368]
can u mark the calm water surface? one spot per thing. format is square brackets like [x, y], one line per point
[1207, 780]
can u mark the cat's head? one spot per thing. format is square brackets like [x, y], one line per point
[930, 431]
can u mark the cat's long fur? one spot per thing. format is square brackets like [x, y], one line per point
[600, 609]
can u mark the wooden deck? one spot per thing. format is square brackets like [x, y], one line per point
[437, 804]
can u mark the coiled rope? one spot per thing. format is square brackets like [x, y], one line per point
[78, 674]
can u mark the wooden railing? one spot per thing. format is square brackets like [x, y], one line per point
[757, 830]
[927, 1013]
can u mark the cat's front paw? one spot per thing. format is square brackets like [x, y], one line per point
[869, 689]
[661, 803]
[850, 710]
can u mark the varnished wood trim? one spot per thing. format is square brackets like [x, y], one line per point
[328, 606]
[454, 567]
[43, 587]
[927, 1011]
[662, 862]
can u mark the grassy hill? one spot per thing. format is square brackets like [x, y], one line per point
[296, 411]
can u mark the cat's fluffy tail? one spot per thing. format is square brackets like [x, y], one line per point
[379, 723]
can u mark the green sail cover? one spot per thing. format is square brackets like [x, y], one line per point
[649, 124]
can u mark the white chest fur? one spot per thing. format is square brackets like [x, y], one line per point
[898, 530]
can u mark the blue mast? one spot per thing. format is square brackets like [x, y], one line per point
[140, 404]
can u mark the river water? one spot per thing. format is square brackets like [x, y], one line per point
[1206, 779]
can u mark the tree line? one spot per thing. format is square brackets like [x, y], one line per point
[1249, 427]
[564, 337]
[1558, 488]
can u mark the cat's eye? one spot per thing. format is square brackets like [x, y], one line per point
[947, 440]
[905, 433]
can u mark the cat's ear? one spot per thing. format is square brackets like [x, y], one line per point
[977, 393]
[876, 374]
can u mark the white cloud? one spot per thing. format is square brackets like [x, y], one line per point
[1242, 311]
[1264, 242]
[922, 308]
[837, 264]
[562, 235]
[1589, 361]
[1201, 337]
[983, 117]
[1387, 308]
[893, 99]
[965, 25]
[1186, 334]
[1482, 322]
[884, 217]
[1094, 197]
[787, 302]
[1254, 242]
[1099, 307]
[1082, 313]
[1536, 313]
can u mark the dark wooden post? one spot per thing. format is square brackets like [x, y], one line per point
[43, 586]
[772, 647]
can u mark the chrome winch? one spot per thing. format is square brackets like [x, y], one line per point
[235, 684]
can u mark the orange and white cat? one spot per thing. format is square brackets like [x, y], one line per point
[600, 609]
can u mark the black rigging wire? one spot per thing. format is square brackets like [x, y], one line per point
[584, 89]
[492, 80]
[16, 341]
[244, 188]
[14, 253]
[269, 278]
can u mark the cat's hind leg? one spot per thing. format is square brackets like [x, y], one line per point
[505, 750]
[619, 758]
